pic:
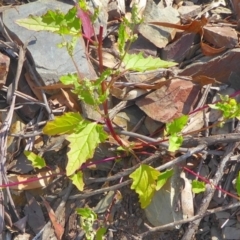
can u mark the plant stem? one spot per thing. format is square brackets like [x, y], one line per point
[104, 89]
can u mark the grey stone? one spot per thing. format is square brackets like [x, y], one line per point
[219, 67]
[159, 36]
[50, 61]
[231, 233]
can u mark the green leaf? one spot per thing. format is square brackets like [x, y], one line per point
[87, 213]
[144, 182]
[122, 38]
[37, 161]
[163, 177]
[66, 123]
[238, 184]
[100, 233]
[77, 180]
[175, 142]
[176, 125]
[198, 187]
[69, 79]
[137, 62]
[53, 21]
[229, 107]
[83, 144]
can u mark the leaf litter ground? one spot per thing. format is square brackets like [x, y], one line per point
[106, 192]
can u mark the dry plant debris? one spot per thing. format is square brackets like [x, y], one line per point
[155, 86]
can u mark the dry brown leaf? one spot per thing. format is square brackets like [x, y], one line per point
[33, 87]
[209, 51]
[58, 229]
[195, 26]
[71, 102]
[25, 182]
[203, 80]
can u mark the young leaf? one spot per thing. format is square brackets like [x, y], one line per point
[83, 144]
[88, 217]
[87, 25]
[87, 213]
[238, 184]
[77, 180]
[176, 125]
[163, 177]
[53, 21]
[63, 124]
[228, 106]
[198, 186]
[144, 182]
[175, 142]
[37, 161]
[100, 233]
[69, 79]
[137, 62]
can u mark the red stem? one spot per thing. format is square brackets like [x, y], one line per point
[104, 88]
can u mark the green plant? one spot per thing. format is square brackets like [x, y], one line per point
[83, 135]
[88, 218]
[229, 107]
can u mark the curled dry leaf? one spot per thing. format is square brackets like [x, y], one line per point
[58, 229]
[195, 26]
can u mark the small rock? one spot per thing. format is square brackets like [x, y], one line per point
[113, 11]
[222, 215]
[159, 36]
[179, 49]
[189, 11]
[143, 45]
[215, 234]
[221, 36]
[50, 61]
[219, 67]
[231, 233]
[171, 101]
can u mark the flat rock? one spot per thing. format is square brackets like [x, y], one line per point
[221, 36]
[231, 233]
[50, 61]
[219, 67]
[179, 49]
[190, 11]
[171, 101]
[159, 36]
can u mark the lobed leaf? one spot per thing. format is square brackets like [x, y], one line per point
[53, 21]
[238, 184]
[83, 144]
[176, 125]
[37, 161]
[175, 142]
[77, 180]
[144, 183]
[163, 177]
[66, 123]
[137, 62]
[198, 187]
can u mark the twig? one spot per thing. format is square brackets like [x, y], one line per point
[198, 216]
[47, 228]
[125, 173]
[146, 161]
[4, 132]
[193, 226]
[99, 191]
